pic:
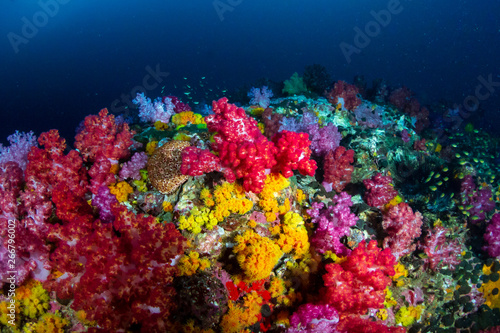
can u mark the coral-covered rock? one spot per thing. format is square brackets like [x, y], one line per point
[441, 251]
[492, 236]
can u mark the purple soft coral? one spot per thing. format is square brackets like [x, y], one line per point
[103, 202]
[311, 318]
[132, 168]
[20, 146]
[261, 97]
[323, 139]
[334, 222]
[154, 111]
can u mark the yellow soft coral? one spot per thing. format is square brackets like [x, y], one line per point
[33, 299]
[150, 147]
[121, 190]
[273, 185]
[256, 255]
[50, 323]
[276, 287]
[407, 315]
[190, 263]
[199, 217]
[160, 126]
[491, 299]
[238, 317]
[401, 273]
[294, 235]
[183, 118]
[167, 206]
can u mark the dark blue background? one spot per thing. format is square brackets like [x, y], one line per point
[91, 52]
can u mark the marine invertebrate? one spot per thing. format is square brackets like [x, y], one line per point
[380, 190]
[160, 109]
[402, 227]
[261, 97]
[441, 250]
[102, 135]
[358, 283]
[295, 85]
[492, 236]
[121, 190]
[131, 169]
[164, 167]
[293, 153]
[256, 255]
[344, 94]
[338, 168]
[17, 151]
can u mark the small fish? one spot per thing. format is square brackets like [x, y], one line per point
[452, 195]
[433, 188]
[188, 86]
[203, 78]
[445, 169]
[475, 218]
[437, 175]
[462, 162]
[475, 160]
[196, 103]
[185, 78]
[432, 173]
[446, 179]
[454, 145]
[481, 160]
[428, 179]
[187, 93]
[440, 183]
[461, 207]
[457, 155]
[469, 207]
[466, 153]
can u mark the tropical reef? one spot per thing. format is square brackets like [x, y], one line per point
[316, 208]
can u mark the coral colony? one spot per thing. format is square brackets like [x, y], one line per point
[296, 213]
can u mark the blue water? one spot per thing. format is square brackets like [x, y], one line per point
[87, 54]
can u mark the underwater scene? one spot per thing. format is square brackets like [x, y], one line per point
[326, 199]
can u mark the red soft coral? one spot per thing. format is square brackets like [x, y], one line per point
[293, 153]
[196, 162]
[128, 278]
[338, 168]
[379, 190]
[358, 283]
[101, 135]
[402, 227]
[441, 250]
[345, 94]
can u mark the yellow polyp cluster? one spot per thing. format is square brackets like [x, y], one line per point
[336, 259]
[31, 301]
[401, 272]
[114, 168]
[226, 199]
[293, 236]
[238, 317]
[190, 327]
[282, 318]
[394, 202]
[50, 323]
[491, 299]
[182, 137]
[121, 190]
[273, 185]
[407, 315]
[198, 218]
[262, 127]
[183, 118]
[389, 300]
[252, 223]
[207, 197]
[276, 287]
[256, 255]
[190, 263]
[82, 318]
[229, 198]
[160, 126]
[291, 298]
[150, 147]
[167, 206]
[257, 111]
[382, 314]
[300, 196]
